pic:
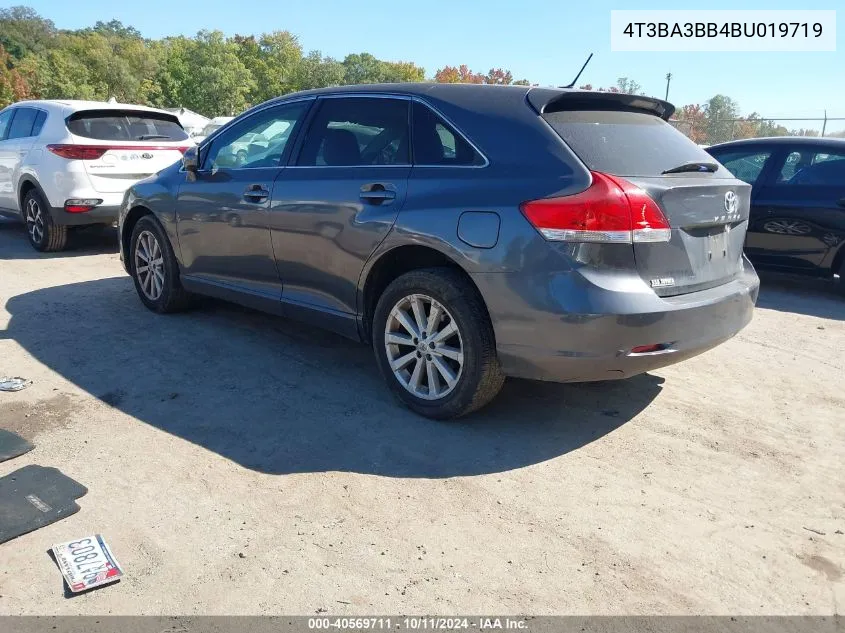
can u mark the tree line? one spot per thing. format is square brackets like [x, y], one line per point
[217, 75]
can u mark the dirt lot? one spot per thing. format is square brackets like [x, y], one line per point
[238, 463]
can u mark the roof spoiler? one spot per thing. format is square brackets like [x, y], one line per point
[545, 100]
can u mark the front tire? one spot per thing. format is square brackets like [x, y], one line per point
[434, 344]
[154, 268]
[43, 233]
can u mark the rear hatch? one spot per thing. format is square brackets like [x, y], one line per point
[706, 207]
[133, 144]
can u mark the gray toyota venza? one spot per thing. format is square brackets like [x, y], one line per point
[467, 232]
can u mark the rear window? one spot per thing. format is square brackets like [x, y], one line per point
[625, 143]
[125, 125]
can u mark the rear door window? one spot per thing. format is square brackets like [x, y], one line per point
[39, 123]
[358, 131]
[125, 125]
[625, 143]
[437, 143]
[746, 164]
[22, 123]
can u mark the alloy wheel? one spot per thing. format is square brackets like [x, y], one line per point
[149, 265]
[34, 221]
[424, 347]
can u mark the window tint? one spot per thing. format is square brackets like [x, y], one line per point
[437, 143]
[125, 125]
[813, 167]
[744, 164]
[5, 117]
[258, 141]
[358, 131]
[39, 123]
[22, 123]
[625, 143]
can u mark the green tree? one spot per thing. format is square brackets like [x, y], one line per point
[720, 113]
[363, 68]
[13, 85]
[24, 32]
[399, 72]
[204, 74]
[316, 71]
[629, 86]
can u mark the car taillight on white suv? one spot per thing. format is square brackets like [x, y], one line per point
[95, 152]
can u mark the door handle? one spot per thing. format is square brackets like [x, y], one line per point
[377, 194]
[256, 193]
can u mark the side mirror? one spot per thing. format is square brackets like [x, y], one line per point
[190, 160]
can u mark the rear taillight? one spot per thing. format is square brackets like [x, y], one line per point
[95, 152]
[78, 152]
[609, 210]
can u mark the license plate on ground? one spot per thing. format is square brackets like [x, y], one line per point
[86, 563]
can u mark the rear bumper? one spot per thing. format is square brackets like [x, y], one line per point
[103, 214]
[538, 339]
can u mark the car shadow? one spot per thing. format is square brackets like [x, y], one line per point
[812, 297]
[89, 240]
[278, 397]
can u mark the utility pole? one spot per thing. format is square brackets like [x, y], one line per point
[668, 79]
[824, 125]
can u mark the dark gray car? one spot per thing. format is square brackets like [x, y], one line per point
[468, 232]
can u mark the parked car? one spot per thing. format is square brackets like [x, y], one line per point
[467, 232]
[68, 163]
[211, 127]
[797, 221]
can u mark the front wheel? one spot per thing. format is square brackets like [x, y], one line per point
[434, 344]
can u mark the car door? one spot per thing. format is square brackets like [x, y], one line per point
[337, 201]
[13, 149]
[752, 164]
[7, 160]
[802, 209]
[223, 211]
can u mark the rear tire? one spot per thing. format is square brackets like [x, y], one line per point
[154, 268]
[434, 344]
[43, 233]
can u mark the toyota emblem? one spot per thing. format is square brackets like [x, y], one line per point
[148, 156]
[731, 202]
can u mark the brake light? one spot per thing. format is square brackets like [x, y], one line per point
[611, 210]
[95, 152]
[78, 152]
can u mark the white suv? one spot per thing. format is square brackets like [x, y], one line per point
[68, 163]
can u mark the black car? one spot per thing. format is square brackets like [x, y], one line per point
[797, 221]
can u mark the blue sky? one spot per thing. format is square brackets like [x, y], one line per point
[545, 41]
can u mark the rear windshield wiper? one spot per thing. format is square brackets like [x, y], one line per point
[149, 137]
[693, 166]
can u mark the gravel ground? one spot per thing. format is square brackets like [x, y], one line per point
[238, 463]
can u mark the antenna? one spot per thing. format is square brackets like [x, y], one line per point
[579, 72]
